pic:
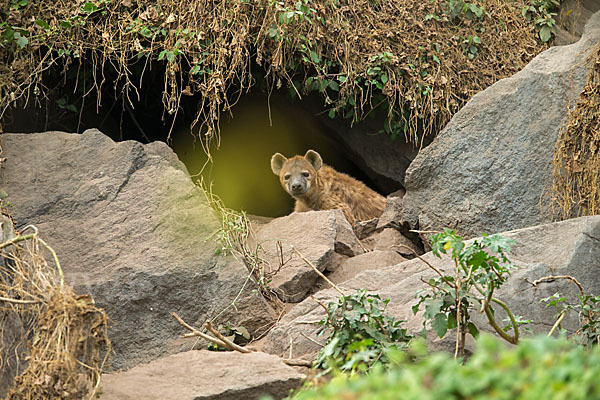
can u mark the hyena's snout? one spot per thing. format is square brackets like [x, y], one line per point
[298, 186]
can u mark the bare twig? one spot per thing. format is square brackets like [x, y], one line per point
[317, 271]
[558, 321]
[17, 301]
[228, 343]
[555, 277]
[312, 340]
[34, 235]
[320, 303]
[196, 332]
[297, 362]
[451, 284]
[433, 286]
[418, 231]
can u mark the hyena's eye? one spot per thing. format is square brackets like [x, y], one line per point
[305, 174]
[287, 177]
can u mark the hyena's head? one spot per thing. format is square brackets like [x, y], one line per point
[298, 173]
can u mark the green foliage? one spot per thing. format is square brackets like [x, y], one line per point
[460, 9]
[588, 311]
[408, 66]
[362, 334]
[470, 44]
[480, 268]
[540, 13]
[540, 368]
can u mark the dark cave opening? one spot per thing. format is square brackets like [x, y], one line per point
[259, 125]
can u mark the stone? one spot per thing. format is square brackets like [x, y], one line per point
[12, 332]
[391, 239]
[131, 228]
[367, 261]
[204, 375]
[572, 18]
[392, 214]
[563, 248]
[363, 229]
[488, 169]
[320, 236]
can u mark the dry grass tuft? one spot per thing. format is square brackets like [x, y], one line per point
[65, 335]
[576, 184]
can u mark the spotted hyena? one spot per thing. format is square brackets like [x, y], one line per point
[317, 186]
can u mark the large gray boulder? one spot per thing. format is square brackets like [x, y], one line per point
[564, 248]
[491, 165]
[204, 375]
[131, 228]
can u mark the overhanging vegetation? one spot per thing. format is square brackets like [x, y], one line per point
[419, 61]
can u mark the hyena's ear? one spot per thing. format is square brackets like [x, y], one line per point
[277, 162]
[314, 159]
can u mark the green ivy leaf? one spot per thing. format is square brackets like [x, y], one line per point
[42, 23]
[545, 33]
[89, 8]
[473, 329]
[439, 323]
[432, 307]
[21, 40]
[314, 56]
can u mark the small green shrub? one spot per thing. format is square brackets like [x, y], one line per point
[540, 368]
[362, 334]
[588, 311]
[480, 269]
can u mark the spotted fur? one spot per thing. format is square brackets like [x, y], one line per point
[316, 186]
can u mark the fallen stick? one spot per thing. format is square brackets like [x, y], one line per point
[224, 342]
[228, 343]
[297, 362]
[317, 271]
[196, 332]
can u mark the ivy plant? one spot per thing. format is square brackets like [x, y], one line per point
[362, 334]
[479, 269]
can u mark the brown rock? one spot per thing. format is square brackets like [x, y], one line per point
[363, 229]
[131, 228]
[490, 168]
[204, 375]
[391, 239]
[320, 236]
[392, 214]
[563, 248]
[368, 261]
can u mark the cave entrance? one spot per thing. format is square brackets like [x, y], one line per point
[261, 125]
[240, 174]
